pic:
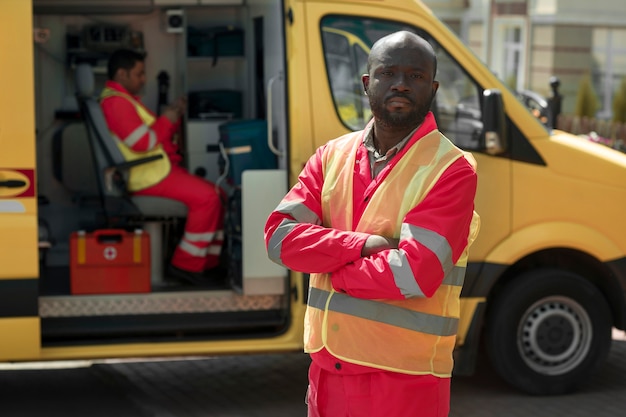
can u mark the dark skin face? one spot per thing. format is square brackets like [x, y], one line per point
[133, 79]
[400, 86]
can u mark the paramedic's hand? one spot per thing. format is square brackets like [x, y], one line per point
[376, 243]
[172, 114]
[181, 105]
[176, 110]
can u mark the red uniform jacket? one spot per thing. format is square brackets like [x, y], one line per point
[446, 210]
[123, 120]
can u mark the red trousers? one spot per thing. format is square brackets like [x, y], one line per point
[376, 394]
[200, 247]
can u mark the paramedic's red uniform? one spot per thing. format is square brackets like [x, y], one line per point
[348, 387]
[200, 247]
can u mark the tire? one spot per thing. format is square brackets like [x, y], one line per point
[547, 331]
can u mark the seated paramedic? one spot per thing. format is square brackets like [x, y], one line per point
[140, 134]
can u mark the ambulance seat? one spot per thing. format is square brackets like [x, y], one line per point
[69, 165]
[113, 170]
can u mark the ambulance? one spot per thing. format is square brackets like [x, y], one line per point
[83, 264]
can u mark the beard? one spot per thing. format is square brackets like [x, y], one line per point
[400, 120]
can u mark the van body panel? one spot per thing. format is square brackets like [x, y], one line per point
[19, 323]
[492, 202]
[23, 344]
[551, 204]
[18, 201]
[535, 238]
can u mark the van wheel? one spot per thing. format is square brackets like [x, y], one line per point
[547, 331]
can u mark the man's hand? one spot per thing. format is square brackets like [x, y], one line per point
[171, 113]
[176, 110]
[376, 243]
[181, 104]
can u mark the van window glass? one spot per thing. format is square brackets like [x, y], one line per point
[347, 42]
[457, 104]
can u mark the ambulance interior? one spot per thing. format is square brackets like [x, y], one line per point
[229, 62]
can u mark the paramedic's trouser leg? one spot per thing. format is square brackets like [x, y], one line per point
[201, 244]
[376, 394]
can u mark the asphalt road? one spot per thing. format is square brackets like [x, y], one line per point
[262, 385]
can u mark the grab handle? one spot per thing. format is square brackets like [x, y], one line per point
[270, 127]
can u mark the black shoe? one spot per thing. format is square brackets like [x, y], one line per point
[189, 277]
[216, 273]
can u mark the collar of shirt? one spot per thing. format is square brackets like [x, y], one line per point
[378, 161]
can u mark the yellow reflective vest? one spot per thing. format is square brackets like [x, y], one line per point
[148, 174]
[415, 335]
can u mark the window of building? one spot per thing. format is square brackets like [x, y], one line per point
[509, 52]
[609, 66]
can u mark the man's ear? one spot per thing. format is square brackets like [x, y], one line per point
[365, 79]
[435, 87]
[120, 74]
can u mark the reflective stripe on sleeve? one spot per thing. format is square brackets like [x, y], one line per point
[134, 137]
[383, 313]
[403, 275]
[298, 211]
[405, 280]
[433, 241]
[275, 244]
[152, 140]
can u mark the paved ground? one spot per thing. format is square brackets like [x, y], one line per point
[485, 395]
[264, 385]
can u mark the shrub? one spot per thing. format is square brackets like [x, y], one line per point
[619, 103]
[587, 103]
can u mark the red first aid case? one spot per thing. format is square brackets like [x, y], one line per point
[109, 261]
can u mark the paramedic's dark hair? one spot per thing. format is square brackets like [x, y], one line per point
[123, 58]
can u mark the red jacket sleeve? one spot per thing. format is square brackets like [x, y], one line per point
[125, 123]
[294, 235]
[446, 212]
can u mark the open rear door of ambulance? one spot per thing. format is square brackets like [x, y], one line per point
[19, 321]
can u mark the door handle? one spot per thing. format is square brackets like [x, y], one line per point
[270, 128]
[12, 183]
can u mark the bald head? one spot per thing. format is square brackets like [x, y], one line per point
[400, 84]
[402, 40]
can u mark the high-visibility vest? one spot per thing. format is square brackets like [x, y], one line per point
[415, 335]
[143, 175]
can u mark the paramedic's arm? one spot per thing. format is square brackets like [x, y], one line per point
[123, 120]
[442, 219]
[294, 236]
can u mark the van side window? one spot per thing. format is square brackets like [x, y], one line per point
[347, 42]
[457, 104]
[346, 61]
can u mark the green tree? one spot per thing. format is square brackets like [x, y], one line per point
[587, 102]
[619, 103]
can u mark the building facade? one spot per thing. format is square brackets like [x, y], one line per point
[526, 42]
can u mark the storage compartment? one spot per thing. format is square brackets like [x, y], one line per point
[109, 262]
[214, 42]
[212, 104]
[245, 145]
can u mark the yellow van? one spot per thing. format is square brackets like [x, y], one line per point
[547, 277]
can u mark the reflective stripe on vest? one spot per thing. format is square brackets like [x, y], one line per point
[415, 335]
[150, 173]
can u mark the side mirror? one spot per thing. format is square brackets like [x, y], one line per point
[494, 123]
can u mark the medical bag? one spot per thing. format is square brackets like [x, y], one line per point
[109, 261]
